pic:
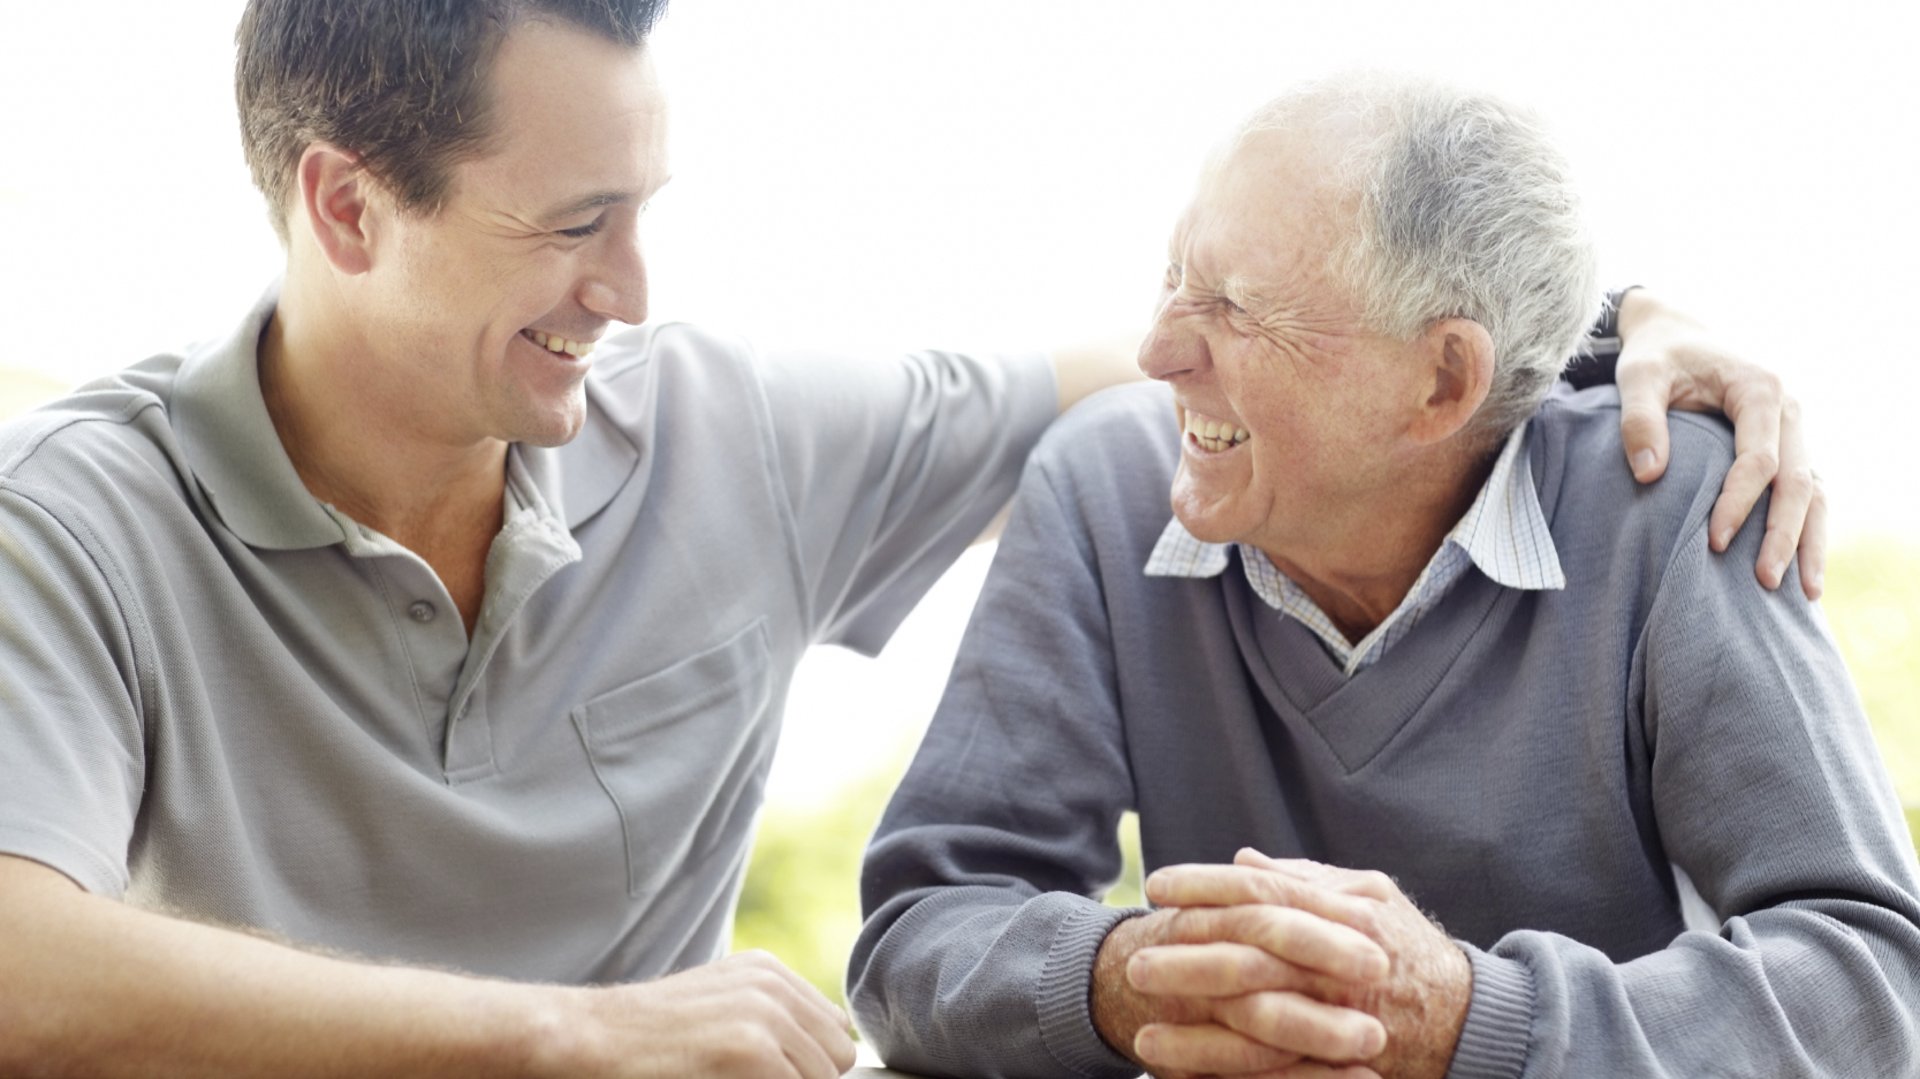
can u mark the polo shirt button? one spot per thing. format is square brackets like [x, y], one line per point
[421, 611]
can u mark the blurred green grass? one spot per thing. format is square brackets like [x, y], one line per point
[801, 898]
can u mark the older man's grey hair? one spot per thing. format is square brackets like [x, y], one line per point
[1466, 209]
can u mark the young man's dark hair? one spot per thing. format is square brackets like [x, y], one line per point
[401, 83]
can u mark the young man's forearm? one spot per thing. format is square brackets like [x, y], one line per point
[96, 988]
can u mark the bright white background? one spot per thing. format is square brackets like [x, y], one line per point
[1000, 173]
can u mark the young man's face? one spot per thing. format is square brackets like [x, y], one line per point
[489, 307]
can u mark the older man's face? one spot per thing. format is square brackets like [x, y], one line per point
[1289, 407]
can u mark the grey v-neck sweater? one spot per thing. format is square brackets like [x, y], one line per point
[1530, 766]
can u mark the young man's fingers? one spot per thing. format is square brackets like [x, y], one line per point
[1813, 545]
[1792, 524]
[1646, 392]
[1755, 404]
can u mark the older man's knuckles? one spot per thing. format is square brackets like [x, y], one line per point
[1304, 1025]
[1224, 969]
[1313, 942]
[1286, 931]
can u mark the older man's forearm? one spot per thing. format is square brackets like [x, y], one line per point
[976, 886]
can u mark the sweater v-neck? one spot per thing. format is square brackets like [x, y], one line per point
[1355, 717]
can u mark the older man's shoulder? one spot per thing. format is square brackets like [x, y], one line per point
[1107, 463]
[1701, 442]
[1581, 455]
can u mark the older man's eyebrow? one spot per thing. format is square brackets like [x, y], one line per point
[1241, 291]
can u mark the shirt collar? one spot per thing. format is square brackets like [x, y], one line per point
[610, 454]
[227, 436]
[230, 442]
[1504, 532]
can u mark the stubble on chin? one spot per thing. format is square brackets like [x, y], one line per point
[551, 424]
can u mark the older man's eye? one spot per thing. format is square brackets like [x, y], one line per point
[1174, 275]
[584, 231]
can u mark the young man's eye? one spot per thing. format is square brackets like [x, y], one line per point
[584, 231]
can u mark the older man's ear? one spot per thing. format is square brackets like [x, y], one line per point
[1455, 360]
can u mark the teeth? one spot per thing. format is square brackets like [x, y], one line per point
[560, 345]
[1215, 436]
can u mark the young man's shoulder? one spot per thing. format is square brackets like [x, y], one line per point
[113, 428]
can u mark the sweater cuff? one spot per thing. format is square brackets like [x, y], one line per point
[1065, 991]
[1498, 1031]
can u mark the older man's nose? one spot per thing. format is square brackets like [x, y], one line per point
[1171, 351]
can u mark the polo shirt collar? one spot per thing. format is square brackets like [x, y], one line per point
[220, 417]
[230, 442]
[579, 479]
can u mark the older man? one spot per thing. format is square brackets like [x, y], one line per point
[1413, 635]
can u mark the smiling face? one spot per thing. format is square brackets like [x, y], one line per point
[479, 318]
[1292, 414]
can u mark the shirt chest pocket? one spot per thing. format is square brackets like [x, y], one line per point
[683, 753]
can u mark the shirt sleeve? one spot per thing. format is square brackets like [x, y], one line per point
[981, 932]
[1769, 793]
[70, 732]
[892, 468]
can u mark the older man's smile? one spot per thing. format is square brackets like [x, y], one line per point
[1210, 435]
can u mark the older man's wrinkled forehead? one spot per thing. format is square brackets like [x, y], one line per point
[1276, 199]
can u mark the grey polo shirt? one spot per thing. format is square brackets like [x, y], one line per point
[221, 697]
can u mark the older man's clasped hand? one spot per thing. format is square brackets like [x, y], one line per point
[1288, 969]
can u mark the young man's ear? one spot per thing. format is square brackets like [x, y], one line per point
[335, 205]
[1457, 356]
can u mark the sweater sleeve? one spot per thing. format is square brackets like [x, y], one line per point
[1769, 794]
[981, 930]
